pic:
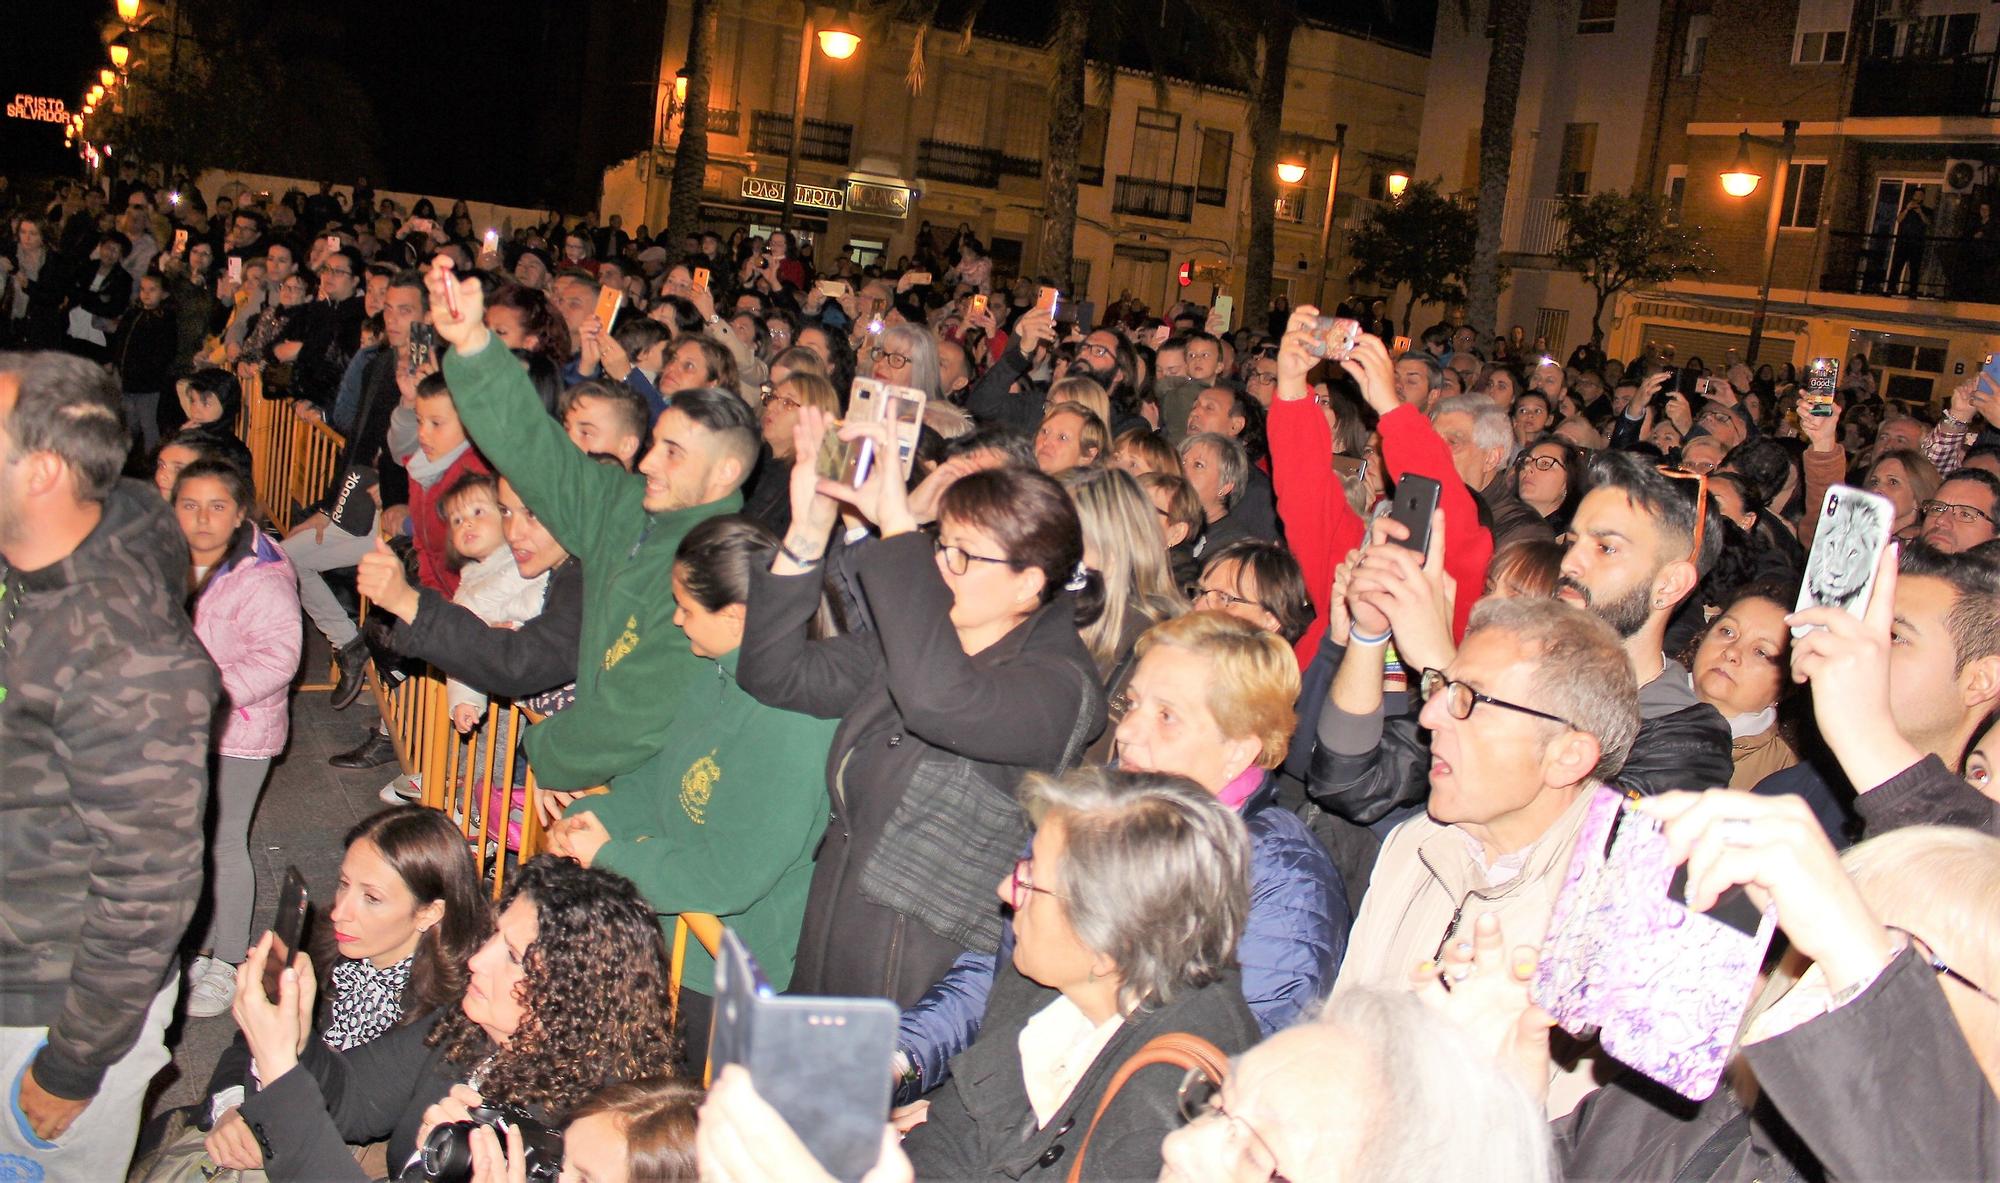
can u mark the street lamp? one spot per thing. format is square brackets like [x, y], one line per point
[121, 51]
[128, 11]
[108, 76]
[1741, 181]
[1291, 172]
[838, 41]
[1397, 183]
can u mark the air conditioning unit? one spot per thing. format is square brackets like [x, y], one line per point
[1961, 175]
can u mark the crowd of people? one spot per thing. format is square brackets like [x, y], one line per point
[1123, 709]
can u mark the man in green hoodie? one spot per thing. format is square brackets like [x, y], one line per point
[632, 663]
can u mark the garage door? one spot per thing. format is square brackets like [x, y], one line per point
[1712, 346]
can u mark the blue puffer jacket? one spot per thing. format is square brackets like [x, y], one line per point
[1290, 951]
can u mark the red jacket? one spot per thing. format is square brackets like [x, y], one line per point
[427, 526]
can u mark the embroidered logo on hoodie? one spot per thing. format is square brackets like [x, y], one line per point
[623, 646]
[698, 785]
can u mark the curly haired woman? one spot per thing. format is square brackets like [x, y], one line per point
[569, 995]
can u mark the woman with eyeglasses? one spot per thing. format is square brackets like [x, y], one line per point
[905, 355]
[1126, 916]
[1549, 476]
[975, 676]
[1258, 583]
[768, 496]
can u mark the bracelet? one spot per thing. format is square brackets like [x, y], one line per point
[1356, 637]
[1955, 421]
[808, 564]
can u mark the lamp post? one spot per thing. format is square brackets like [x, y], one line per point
[1293, 170]
[1740, 181]
[837, 41]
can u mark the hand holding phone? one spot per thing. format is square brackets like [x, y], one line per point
[608, 302]
[1415, 501]
[288, 927]
[1048, 300]
[1854, 529]
[701, 279]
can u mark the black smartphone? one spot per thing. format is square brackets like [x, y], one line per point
[423, 343]
[1415, 501]
[288, 929]
[822, 1063]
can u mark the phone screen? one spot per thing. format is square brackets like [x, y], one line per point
[1854, 528]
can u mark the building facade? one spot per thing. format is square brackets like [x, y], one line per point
[1164, 168]
[1888, 245]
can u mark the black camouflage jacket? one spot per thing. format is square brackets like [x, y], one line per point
[106, 699]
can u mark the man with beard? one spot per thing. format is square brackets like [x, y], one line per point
[1107, 358]
[1637, 551]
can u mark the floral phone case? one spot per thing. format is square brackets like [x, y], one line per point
[1662, 986]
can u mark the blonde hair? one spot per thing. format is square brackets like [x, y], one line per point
[1079, 389]
[1183, 504]
[1152, 447]
[1117, 519]
[1942, 883]
[1253, 682]
[810, 390]
[1093, 438]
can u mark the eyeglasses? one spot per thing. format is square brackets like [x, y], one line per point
[958, 560]
[1259, 377]
[781, 402]
[1700, 480]
[1542, 463]
[1199, 1099]
[1923, 949]
[1023, 885]
[1964, 515]
[897, 361]
[1460, 698]
[1099, 350]
[1204, 597]
[336, 271]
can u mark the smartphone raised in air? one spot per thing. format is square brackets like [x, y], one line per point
[1416, 499]
[1854, 528]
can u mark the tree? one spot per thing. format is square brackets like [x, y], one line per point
[1267, 119]
[691, 153]
[1617, 241]
[1509, 21]
[1058, 253]
[1423, 239]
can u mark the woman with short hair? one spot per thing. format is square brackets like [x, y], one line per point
[1126, 917]
[767, 495]
[1741, 667]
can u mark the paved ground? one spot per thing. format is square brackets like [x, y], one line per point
[306, 808]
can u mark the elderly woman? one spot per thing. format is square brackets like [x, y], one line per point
[1126, 913]
[905, 355]
[1071, 436]
[974, 676]
[1740, 668]
[568, 995]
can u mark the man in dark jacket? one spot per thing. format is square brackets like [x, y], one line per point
[98, 297]
[1007, 394]
[105, 706]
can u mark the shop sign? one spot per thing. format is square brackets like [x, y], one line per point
[888, 201]
[809, 196]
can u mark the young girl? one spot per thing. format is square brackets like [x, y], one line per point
[490, 585]
[426, 438]
[246, 612]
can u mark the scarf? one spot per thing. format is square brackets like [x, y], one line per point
[426, 471]
[1745, 726]
[366, 1001]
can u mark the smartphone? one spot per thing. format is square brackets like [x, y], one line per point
[1416, 499]
[1402, 346]
[1662, 986]
[1333, 337]
[236, 269]
[492, 239]
[288, 929]
[1048, 300]
[423, 343]
[869, 399]
[1218, 316]
[1822, 379]
[1854, 527]
[832, 289]
[332, 243]
[918, 279]
[822, 1063]
[180, 242]
[608, 302]
[979, 303]
[1990, 374]
[701, 279]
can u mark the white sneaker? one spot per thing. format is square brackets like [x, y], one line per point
[404, 790]
[211, 988]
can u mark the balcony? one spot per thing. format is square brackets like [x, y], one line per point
[1910, 268]
[1290, 207]
[1534, 227]
[1941, 86]
[1211, 194]
[969, 164]
[1090, 174]
[1154, 199]
[825, 141]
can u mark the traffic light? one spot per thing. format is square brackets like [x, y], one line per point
[1187, 272]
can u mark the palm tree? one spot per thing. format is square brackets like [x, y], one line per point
[1509, 20]
[691, 153]
[1267, 121]
[1058, 248]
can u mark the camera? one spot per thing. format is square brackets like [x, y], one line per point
[447, 1153]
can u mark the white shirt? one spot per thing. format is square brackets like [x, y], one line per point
[1058, 1046]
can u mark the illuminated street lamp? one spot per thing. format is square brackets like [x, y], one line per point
[96, 92]
[837, 41]
[1741, 181]
[1291, 172]
[121, 51]
[1397, 183]
[108, 76]
[128, 11]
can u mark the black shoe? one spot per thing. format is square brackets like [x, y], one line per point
[353, 662]
[378, 749]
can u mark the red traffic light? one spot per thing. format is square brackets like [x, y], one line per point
[1187, 273]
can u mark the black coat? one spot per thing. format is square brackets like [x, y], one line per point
[912, 705]
[505, 663]
[982, 1127]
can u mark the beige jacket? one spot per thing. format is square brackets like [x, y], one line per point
[1428, 888]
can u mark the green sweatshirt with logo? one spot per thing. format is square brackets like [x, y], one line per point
[725, 821]
[632, 662]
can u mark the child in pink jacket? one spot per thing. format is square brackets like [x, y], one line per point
[246, 613]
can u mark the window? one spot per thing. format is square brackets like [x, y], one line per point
[1578, 151]
[1821, 36]
[1090, 151]
[1155, 139]
[1696, 50]
[1212, 180]
[1677, 184]
[1805, 182]
[958, 108]
[1596, 16]
[1027, 130]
